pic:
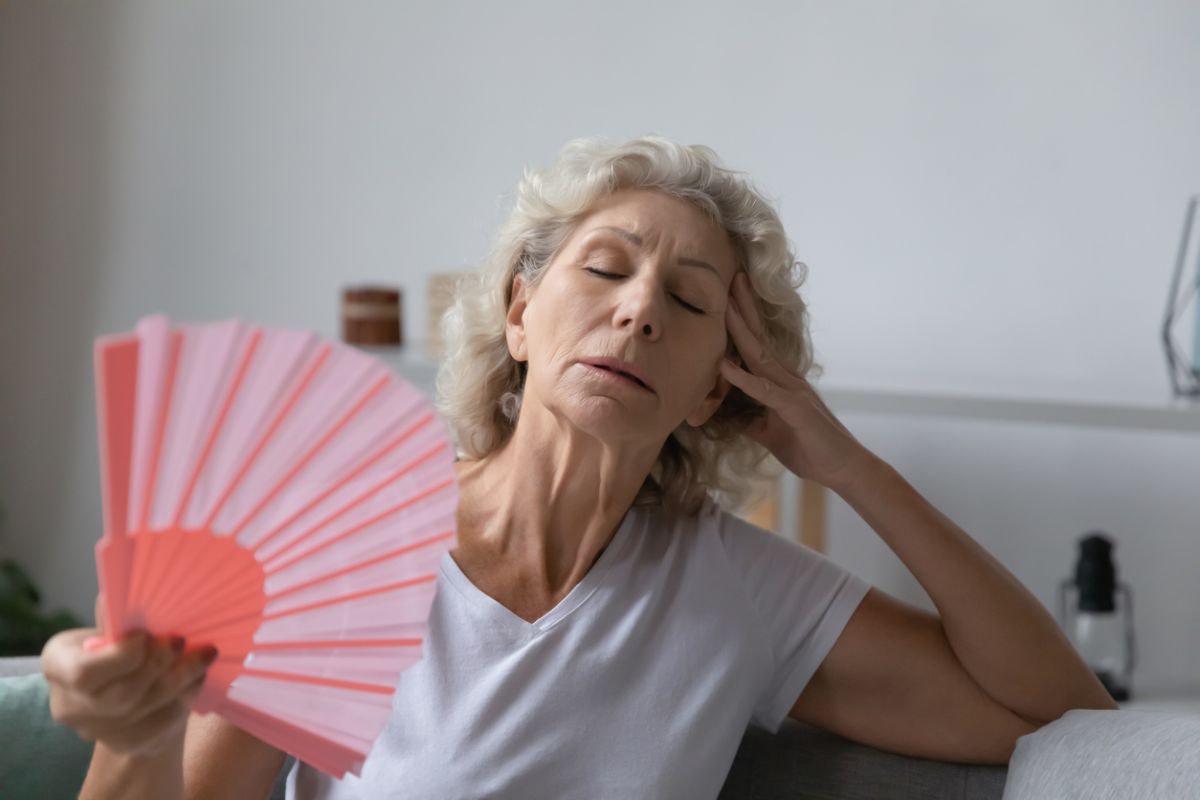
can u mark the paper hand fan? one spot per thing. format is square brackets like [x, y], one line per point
[285, 499]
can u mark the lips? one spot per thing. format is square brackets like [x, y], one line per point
[621, 368]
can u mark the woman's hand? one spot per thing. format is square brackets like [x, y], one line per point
[799, 429]
[133, 695]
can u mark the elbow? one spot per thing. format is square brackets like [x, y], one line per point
[1092, 695]
[1101, 703]
[1087, 699]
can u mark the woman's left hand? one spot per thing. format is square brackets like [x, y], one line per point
[798, 429]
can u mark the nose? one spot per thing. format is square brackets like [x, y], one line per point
[641, 309]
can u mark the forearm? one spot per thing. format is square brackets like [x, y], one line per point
[1000, 632]
[114, 775]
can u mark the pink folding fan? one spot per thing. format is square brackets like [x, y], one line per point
[285, 499]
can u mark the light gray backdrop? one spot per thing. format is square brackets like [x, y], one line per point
[988, 197]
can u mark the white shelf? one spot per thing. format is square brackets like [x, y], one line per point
[1185, 701]
[1169, 414]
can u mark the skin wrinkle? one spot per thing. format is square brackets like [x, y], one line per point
[536, 514]
[637, 240]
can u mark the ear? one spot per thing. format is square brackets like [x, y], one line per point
[711, 402]
[514, 320]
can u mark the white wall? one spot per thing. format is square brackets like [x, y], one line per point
[988, 196]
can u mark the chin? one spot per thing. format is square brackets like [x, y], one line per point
[605, 418]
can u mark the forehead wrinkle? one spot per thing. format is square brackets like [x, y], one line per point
[633, 238]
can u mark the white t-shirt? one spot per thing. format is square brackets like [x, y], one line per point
[640, 683]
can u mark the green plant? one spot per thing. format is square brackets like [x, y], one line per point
[24, 629]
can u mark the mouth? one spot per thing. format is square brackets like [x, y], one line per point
[611, 367]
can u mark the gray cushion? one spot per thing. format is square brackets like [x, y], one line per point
[807, 763]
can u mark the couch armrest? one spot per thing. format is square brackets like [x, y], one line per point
[803, 761]
[1094, 753]
[20, 665]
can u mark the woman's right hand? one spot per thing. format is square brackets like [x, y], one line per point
[133, 695]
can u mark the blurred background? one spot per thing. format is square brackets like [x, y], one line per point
[989, 198]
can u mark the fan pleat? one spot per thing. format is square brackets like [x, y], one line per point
[417, 557]
[304, 460]
[285, 499]
[214, 430]
[265, 438]
[350, 475]
[357, 495]
[309, 743]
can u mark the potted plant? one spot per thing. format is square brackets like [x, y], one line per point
[24, 628]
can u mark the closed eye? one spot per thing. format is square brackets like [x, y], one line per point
[612, 276]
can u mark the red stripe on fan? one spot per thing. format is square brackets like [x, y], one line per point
[345, 598]
[387, 448]
[307, 457]
[349, 504]
[146, 595]
[368, 523]
[338, 573]
[226, 404]
[160, 432]
[315, 681]
[266, 437]
[259, 647]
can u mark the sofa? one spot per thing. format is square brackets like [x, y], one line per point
[1149, 754]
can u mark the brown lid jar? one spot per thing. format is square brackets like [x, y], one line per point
[371, 316]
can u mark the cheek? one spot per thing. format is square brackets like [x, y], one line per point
[697, 363]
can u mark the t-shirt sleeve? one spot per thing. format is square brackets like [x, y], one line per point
[802, 599]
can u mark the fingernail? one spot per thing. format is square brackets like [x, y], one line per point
[208, 655]
[94, 643]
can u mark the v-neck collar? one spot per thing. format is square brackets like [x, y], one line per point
[575, 598]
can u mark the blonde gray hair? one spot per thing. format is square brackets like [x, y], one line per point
[479, 384]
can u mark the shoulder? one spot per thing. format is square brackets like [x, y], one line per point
[723, 543]
[743, 541]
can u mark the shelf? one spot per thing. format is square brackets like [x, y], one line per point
[1180, 415]
[1184, 701]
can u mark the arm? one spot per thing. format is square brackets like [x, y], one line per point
[222, 760]
[113, 775]
[214, 759]
[994, 660]
[999, 632]
[891, 681]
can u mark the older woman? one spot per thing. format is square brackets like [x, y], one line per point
[632, 354]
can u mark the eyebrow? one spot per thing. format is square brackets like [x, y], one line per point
[637, 240]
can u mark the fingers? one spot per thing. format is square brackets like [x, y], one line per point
[153, 732]
[134, 695]
[748, 331]
[759, 387]
[183, 679]
[66, 662]
[125, 696]
[743, 294]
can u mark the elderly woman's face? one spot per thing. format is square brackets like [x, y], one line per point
[644, 279]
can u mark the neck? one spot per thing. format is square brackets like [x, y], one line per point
[551, 499]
